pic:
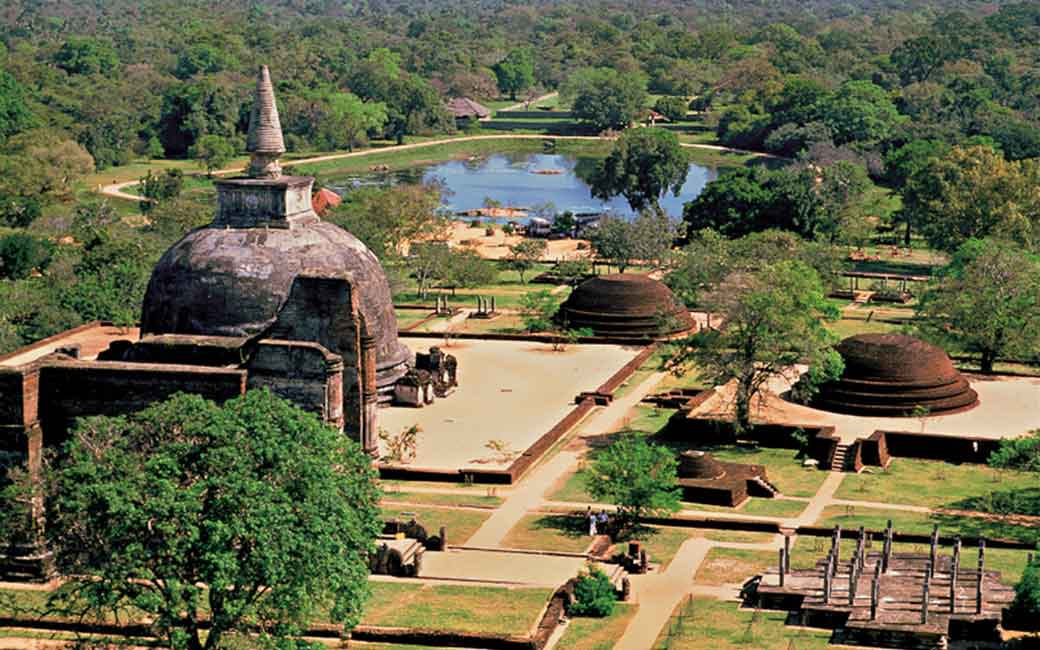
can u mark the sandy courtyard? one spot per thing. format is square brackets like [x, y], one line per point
[1007, 408]
[508, 390]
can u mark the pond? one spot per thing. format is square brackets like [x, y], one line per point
[524, 181]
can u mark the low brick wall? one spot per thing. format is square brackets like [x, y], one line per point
[938, 446]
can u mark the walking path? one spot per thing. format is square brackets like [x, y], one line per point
[659, 594]
[519, 106]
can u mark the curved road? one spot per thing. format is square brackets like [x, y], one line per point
[117, 190]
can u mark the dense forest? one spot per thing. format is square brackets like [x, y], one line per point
[86, 86]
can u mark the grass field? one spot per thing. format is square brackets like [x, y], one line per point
[706, 624]
[435, 499]
[783, 468]
[852, 518]
[588, 633]
[461, 524]
[723, 566]
[935, 484]
[458, 608]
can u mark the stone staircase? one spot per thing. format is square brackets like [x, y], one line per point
[839, 460]
[767, 486]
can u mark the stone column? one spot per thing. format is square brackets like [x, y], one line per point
[781, 572]
[369, 395]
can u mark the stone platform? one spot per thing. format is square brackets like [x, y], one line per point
[894, 600]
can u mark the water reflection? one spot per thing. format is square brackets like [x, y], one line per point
[523, 181]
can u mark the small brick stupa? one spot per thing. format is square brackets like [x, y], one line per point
[625, 305]
[893, 375]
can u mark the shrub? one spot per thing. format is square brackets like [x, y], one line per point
[1018, 453]
[1026, 606]
[593, 595]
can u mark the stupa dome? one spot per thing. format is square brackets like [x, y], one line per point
[894, 375]
[625, 304]
[232, 277]
[233, 282]
[699, 465]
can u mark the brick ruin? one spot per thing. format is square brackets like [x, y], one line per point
[266, 296]
[703, 479]
[625, 305]
[895, 375]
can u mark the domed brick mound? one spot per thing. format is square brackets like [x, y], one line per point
[892, 375]
[625, 305]
[699, 465]
[233, 282]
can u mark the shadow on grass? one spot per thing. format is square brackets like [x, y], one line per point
[1025, 501]
[573, 526]
[988, 528]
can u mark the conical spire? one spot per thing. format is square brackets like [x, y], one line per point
[264, 140]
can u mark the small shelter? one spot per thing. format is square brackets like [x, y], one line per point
[464, 108]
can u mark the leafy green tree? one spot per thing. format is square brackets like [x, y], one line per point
[515, 73]
[985, 301]
[605, 98]
[738, 202]
[648, 239]
[428, 262]
[564, 224]
[594, 595]
[213, 521]
[203, 58]
[524, 255]
[158, 188]
[674, 108]
[637, 476]
[468, 270]
[349, 121]
[22, 253]
[1026, 605]
[387, 219]
[973, 192]
[86, 55]
[739, 127]
[196, 108]
[772, 319]
[1021, 453]
[642, 166]
[173, 218]
[538, 309]
[19, 211]
[572, 272]
[861, 112]
[213, 152]
[15, 115]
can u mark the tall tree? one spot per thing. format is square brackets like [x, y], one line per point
[973, 192]
[643, 165]
[15, 115]
[985, 301]
[524, 255]
[251, 516]
[515, 72]
[637, 476]
[861, 112]
[605, 98]
[773, 317]
[349, 121]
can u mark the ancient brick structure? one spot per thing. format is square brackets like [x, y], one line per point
[266, 296]
[704, 479]
[895, 375]
[625, 305]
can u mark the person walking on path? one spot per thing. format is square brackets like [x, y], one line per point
[592, 522]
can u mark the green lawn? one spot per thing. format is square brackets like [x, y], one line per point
[724, 566]
[852, 517]
[461, 524]
[847, 327]
[707, 624]
[773, 507]
[490, 610]
[783, 467]
[549, 533]
[588, 633]
[436, 499]
[569, 533]
[935, 484]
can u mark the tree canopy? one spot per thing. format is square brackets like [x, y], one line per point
[643, 165]
[605, 98]
[252, 516]
[637, 476]
[985, 301]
